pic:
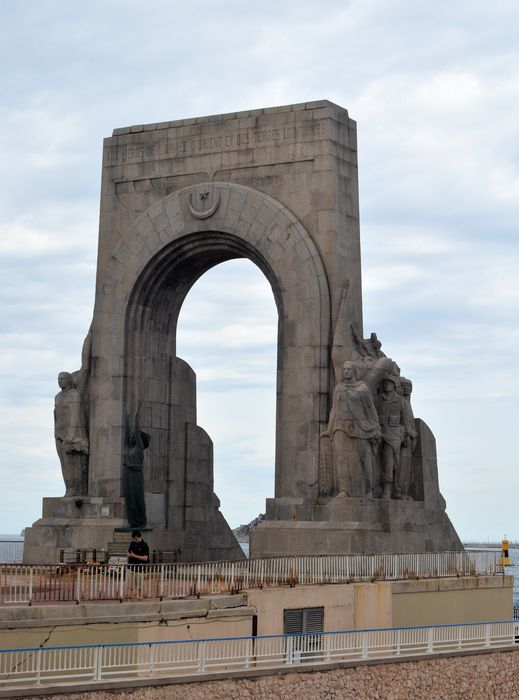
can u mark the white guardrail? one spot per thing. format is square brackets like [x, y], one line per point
[60, 583]
[110, 662]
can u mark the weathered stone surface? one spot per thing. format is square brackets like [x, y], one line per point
[279, 187]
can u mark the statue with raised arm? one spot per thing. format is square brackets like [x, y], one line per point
[71, 435]
[354, 432]
[135, 442]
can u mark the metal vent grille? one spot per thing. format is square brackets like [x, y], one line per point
[303, 620]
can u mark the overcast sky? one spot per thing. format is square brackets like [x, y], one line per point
[434, 88]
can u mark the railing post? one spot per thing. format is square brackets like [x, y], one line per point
[430, 640]
[161, 582]
[487, 636]
[38, 667]
[327, 639]
[78, 584]
[30, 585]
[198, 579]
[248, 644]
[97, 663]
[151, 661]
[201, 657]
[122, 577]
[365, 645]
[290, 656]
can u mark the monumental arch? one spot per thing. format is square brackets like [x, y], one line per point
[278, 186]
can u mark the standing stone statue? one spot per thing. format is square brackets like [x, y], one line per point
[354, 432]
[403, 477]
[71, 435]
[391, 416]
[135, 442]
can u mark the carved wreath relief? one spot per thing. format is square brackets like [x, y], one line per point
[207, 204]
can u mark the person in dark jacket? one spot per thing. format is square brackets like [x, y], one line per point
[138, 551]
[138, 557]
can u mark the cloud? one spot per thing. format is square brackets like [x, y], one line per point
[434, 89]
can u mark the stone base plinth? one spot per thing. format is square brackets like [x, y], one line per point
[76, 522]
[82, 508]
[352, 526]
[87, 523]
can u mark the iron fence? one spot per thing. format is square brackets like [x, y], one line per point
[20, 583]
[109, 662]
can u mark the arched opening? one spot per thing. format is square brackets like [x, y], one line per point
[150, 270]
[161, 384]
[227, 332]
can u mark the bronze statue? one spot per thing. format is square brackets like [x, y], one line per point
[71, 435]
[135, 442]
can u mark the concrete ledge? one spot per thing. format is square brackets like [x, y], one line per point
[302, 107]
[114, 612]
[230, 612]
[451, 583]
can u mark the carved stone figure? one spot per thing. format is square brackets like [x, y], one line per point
[135, 442]
[391, 416]
[70, 432]
[403, 476]
[354, 432]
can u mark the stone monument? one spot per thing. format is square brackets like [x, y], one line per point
[278, 186]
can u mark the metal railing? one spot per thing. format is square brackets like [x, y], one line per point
[20, 583]
[108, 662]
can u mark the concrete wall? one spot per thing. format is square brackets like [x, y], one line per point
[113, 623]
[373, 606]
[452, 601]
[346, 606]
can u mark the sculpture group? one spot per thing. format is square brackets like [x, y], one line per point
[371, 432]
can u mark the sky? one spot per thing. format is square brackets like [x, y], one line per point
[434, 88]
